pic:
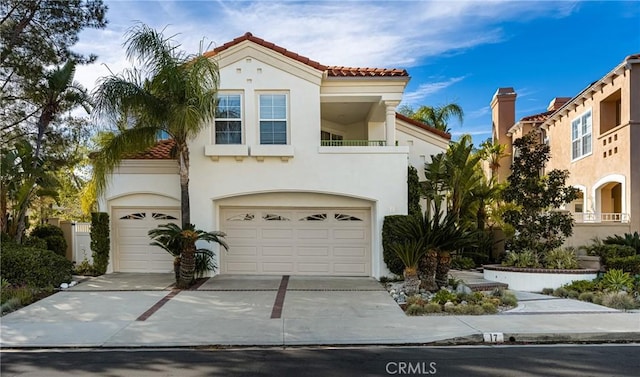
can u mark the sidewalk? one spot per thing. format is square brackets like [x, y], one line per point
[214, 316]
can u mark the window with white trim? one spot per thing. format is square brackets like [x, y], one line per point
[273, 119]
[229, 119]
[581, 136]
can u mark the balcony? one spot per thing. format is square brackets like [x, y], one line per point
[353, 143]
[604, 217]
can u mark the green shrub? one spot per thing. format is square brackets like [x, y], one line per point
[561, 258]
[606, 251]
[415, 310]
[416, 300]
[391, 234]
[619, 300]
[462, 263]
[586, 296]
[573, 294]
[628, 239]
[53, 236]
[581, 286]
[509, 299]
[617, 280]
[521, 259]
[489, 308]
[442, 296]
[561, 292]
[11, 305]
[46, 230]
[36, 242]
[100, 242]
[597, 298]
[414, 191]
[630, 264]
[35, 267]
[432, 307]
[84, 268]
[547, 291]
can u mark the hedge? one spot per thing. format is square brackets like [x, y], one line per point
[53, 236]
[391, 234]
[40, 268]
[630, 264]
[607, 252]
[100, 243]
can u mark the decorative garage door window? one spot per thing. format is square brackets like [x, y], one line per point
[134, 216]
[162, 216]
[274, 217]
[315, 217]
[345, 217]
[242, 217]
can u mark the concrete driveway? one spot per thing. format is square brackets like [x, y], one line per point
[139, 310]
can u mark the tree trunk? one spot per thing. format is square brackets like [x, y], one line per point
[187, 265]
[427, 274]
[176, 269]
[411, 281]
[442, 271]
[185, 206]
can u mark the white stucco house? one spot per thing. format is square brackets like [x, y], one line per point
[300, 168]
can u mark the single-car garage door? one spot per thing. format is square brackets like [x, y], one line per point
[133, 250]
[302, 241]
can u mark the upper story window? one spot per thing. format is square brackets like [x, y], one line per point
[581, 136]
[162, 135]
[273, 119]
[611, 112]
[229, 119]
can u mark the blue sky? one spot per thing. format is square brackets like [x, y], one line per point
[454, 51]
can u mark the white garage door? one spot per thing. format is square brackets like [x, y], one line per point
[133, 250]
[290, 241]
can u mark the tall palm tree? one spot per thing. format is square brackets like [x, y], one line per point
[176, 96]
[438, 116]
[493, 153]
[58, 93]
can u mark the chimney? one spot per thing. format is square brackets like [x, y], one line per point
[557, 103]
[503, 117]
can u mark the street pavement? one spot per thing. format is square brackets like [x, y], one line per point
[142, 310]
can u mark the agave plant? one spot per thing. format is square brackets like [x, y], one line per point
[617, 280]
[181, 244]
[410, 252]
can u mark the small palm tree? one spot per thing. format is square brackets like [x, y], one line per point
[410, 252]
[181, 244]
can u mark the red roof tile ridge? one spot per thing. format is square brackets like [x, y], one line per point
[162, 150]
[424, 126]
[340, 71]
[540, 117]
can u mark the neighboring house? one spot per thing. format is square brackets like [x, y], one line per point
[300, 168]
[595, 135]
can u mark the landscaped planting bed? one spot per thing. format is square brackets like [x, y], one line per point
[456, 299]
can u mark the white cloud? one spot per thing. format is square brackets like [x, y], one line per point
[353, 33]
[427, 89]
[478, 113]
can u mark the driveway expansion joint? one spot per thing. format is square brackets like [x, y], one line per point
[144, 316]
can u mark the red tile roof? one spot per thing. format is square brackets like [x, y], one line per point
[424, 126]
[163, 150]
[538, 117]
[332, 71]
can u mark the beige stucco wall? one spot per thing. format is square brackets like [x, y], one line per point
[611, 159]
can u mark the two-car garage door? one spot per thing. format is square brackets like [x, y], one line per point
[302, 241]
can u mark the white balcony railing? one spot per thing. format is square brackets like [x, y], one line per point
[353, 143]
[590, 217]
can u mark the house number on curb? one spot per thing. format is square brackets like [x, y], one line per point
[493, 337]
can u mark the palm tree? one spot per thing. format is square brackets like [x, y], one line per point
[493, 153]
[181, 244]
[438, 116]
[439, 235]
[57, 94]
[410, 252]
[177, 98]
